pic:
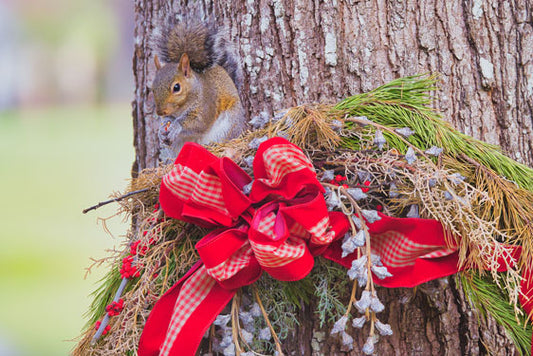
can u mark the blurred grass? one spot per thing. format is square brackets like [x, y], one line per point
[54, 163]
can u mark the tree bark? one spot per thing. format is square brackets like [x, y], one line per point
[295, 52]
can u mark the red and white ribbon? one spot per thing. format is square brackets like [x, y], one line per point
[278, 228]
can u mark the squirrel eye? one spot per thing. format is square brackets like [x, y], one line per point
[176, 88]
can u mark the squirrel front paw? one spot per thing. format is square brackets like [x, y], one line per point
[169, 131]
[169, 139]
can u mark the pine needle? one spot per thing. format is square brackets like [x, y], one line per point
[488, 299]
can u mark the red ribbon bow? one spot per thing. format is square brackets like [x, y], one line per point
[278, 228]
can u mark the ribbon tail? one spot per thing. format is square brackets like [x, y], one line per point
[182, 315]
[526, 299]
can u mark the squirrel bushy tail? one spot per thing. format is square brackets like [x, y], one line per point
[205, 44]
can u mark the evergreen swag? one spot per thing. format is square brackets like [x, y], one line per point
[385, 150]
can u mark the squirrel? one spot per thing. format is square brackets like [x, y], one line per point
[196, 91]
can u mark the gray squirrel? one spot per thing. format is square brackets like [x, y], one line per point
[196, 90]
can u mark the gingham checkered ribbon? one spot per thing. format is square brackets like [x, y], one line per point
[278, 228]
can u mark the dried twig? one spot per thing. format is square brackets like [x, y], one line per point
[127, 195]
[267, 321]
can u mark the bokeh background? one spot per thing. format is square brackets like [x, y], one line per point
[65, 143]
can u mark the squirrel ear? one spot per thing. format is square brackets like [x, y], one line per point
[157, 63]
[185, 65]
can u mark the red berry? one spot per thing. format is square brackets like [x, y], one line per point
[345, 186]
[339, 178]
[333, 182]
[379, 207]
[106, 329]
[133, 247]
[366, 183]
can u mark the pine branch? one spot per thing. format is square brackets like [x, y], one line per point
[485, 296]
[405, 102]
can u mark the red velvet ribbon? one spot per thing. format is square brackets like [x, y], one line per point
[278, 228]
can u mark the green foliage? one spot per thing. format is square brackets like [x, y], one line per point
[488, 299]
[299, 292]
[282, 300]
[404, 102]
[103, 296]
[331, 284]
[281, 309]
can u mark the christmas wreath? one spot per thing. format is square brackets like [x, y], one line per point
[375, 190]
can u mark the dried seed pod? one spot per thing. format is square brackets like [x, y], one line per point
[405, 132]
[413, 212]
[339, 325]
[383, 329]
[328, 175]
[359, 322]
[410, 155]
[333, 201]
[254, 144]
[376, 305]
[368, 347]
[363, 303]
[347, 340]
[348, 245]
[360, 238]
[381, 271]
[265, 334]
[357, 193]
[379, 139]
[371, 215]
[434, 151]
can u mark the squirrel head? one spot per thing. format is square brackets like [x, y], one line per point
[172, 86]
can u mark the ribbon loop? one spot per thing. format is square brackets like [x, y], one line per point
[204, 189]
[282, 170]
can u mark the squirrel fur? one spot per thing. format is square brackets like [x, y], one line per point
[198, 84]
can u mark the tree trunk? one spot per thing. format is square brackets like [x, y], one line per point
[295, 52]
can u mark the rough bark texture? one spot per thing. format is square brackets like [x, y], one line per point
[302, 51]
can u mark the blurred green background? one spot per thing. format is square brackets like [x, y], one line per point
[65, 144]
